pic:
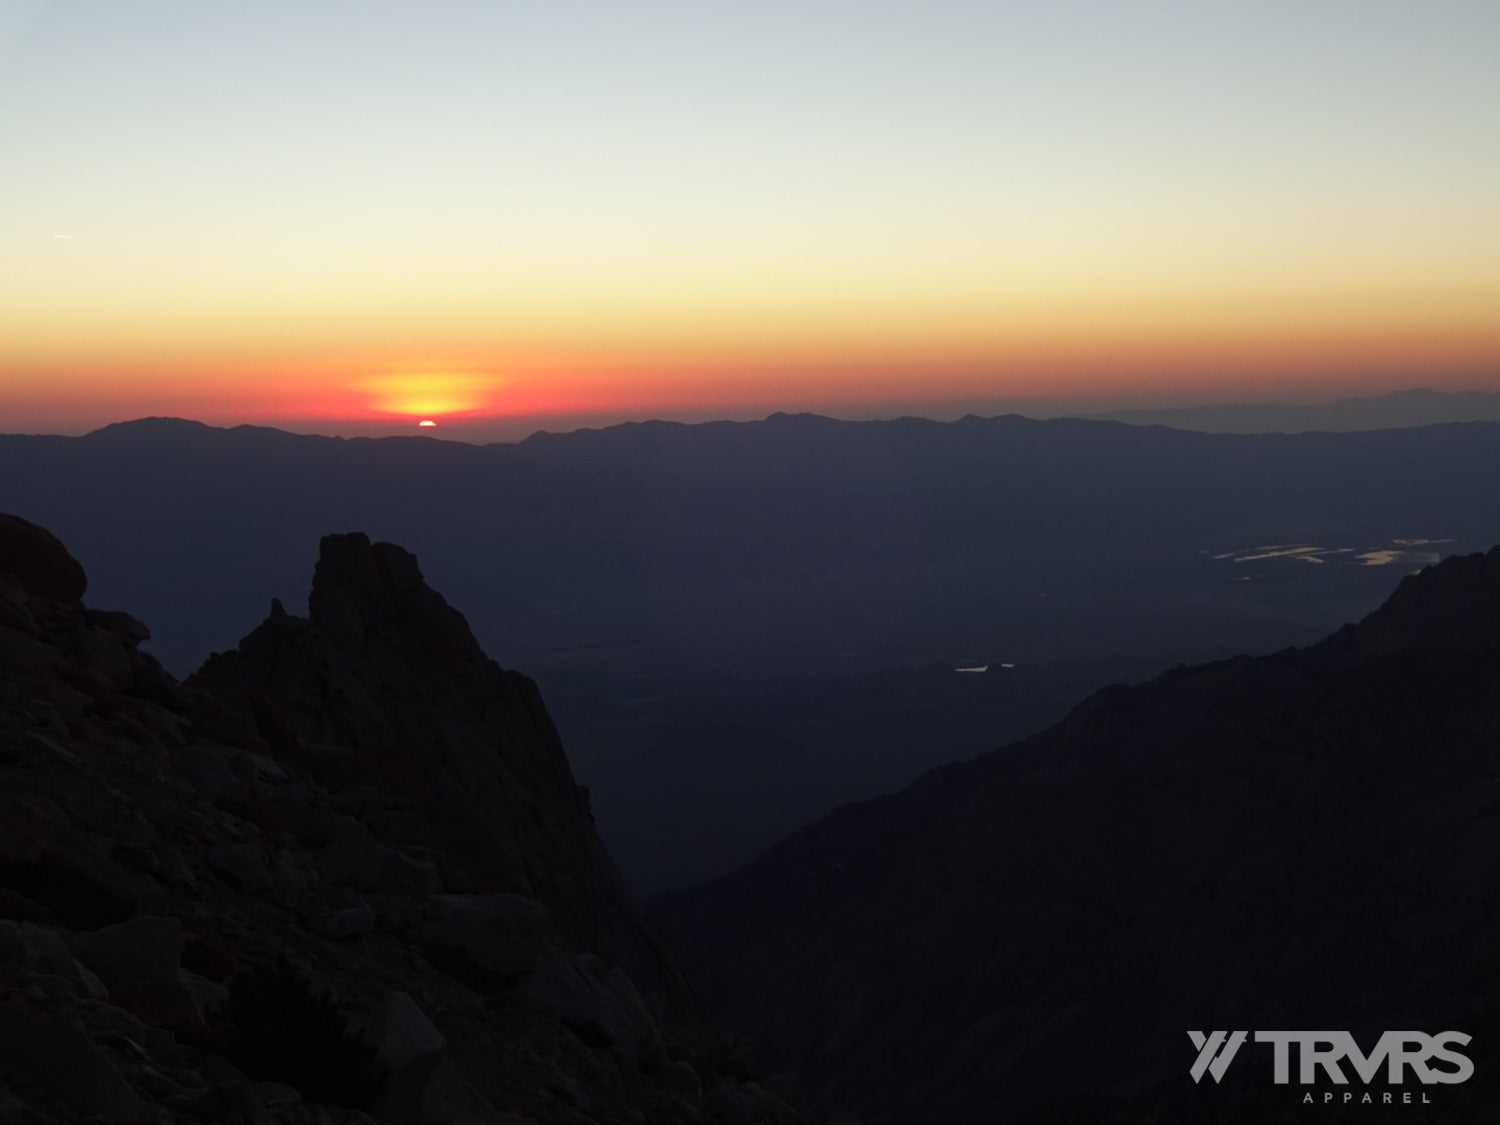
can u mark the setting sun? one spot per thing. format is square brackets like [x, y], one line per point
[918, 217]
[427, 395]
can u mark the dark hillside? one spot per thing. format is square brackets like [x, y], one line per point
[343, 875]
[1304, 840]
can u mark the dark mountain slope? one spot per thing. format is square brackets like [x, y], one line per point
[1453, 606]
[1306, 840]
[345, 871]
[384, 686]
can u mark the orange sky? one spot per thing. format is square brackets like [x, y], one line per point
[1100, 355]
[274, 215]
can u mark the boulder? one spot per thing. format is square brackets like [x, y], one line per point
[207, 993]
[767, 1107]
[206, 768]
[165, 998]
[130, 631]
[38, 948]
[402, 1033]
[106, 652]
[674, 1074]
[142, 948]
[401, 872]
[730, 1105]
[48, 861]
[349, 921]
[240, 865]
[410, 1047]
[286, 810]
[503, 934]
[448, 1098]
[59, 1058]
[24, 652]
[352, 857]
[38, 558]
[13, 608]
[786, 1086]
[600, 1004]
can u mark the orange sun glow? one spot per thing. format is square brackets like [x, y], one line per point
[427, 395]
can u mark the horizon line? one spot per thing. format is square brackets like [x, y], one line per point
[935, 412]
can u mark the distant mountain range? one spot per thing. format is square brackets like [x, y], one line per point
[1309, 840]
[796, 543]
[1417, 407]
[740, 625]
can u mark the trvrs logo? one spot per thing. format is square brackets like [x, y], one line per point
[1432, 1058]
[1214, 1053]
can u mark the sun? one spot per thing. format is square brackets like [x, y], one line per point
[427, 396]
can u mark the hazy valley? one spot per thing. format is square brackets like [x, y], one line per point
[742, 625]
[1302, 840]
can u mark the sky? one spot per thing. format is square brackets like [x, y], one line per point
[353, 215]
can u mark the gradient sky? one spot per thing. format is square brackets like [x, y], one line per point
[339, 214]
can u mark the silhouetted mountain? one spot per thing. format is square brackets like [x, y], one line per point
[1306, 840]
[811, 582]
[383, 686]
[1455, 606]
[1417, 407]
[345, 868]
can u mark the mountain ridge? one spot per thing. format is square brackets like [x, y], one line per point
[582, 499]
[1291, 840]
[1417, 406]
[1411, 407]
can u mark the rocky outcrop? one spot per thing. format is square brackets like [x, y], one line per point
[1305, 840]
[39, 562]
[384, 692]
[343, 874]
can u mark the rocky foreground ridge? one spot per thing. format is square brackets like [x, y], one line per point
[343, 873]
[1306, 840]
